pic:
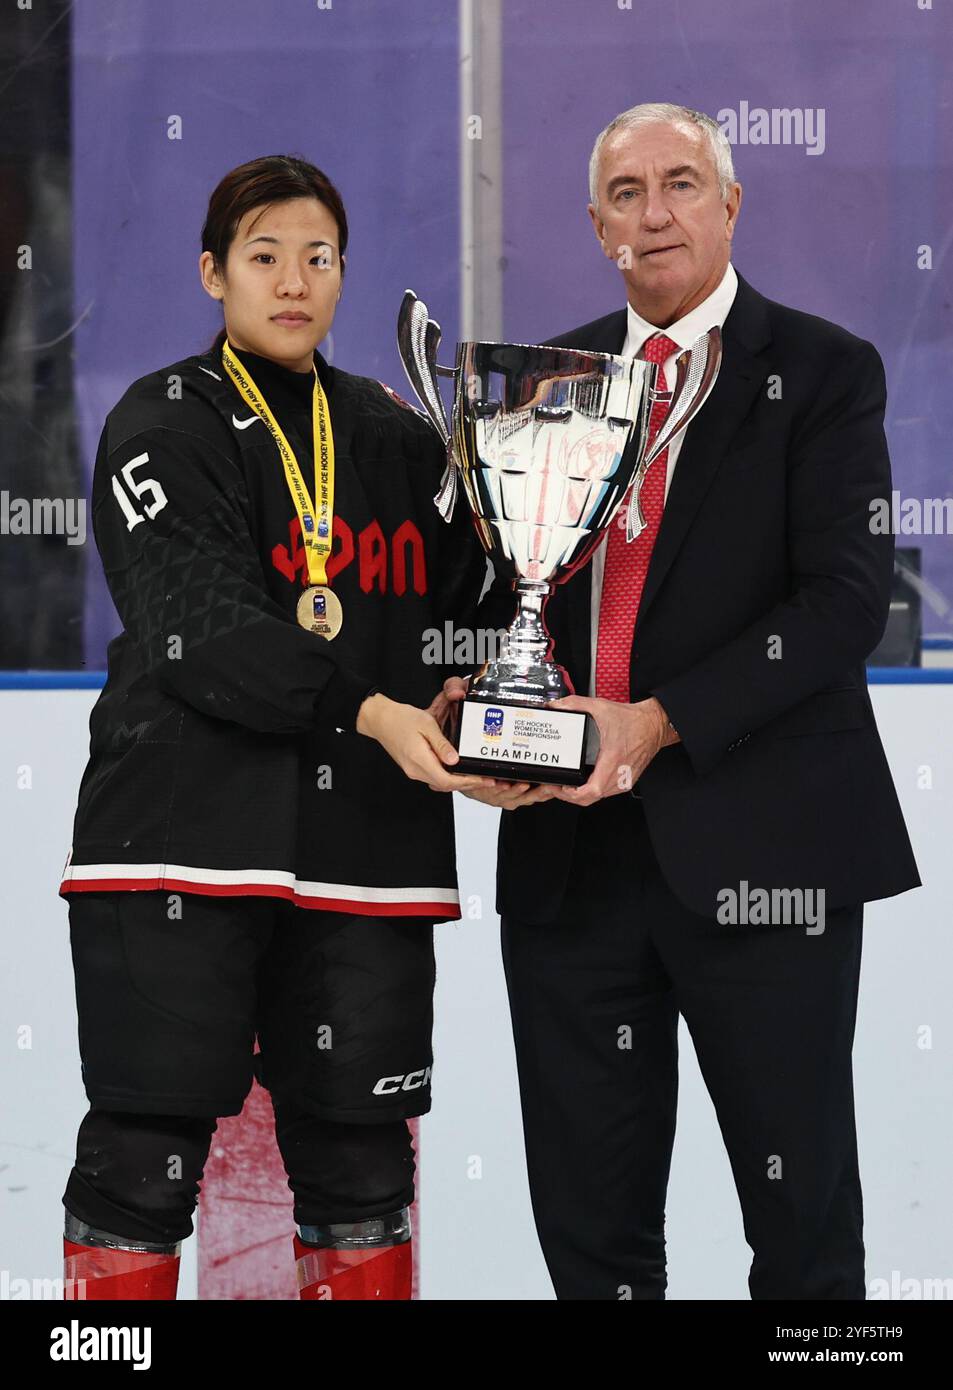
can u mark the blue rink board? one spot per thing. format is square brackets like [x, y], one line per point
[94, 680]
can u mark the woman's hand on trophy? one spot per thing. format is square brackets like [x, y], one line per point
[454, 689]
[415, 741]
[629, 738]
[509, 796]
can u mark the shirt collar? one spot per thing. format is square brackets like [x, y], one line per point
[685, 331]
[266, 371]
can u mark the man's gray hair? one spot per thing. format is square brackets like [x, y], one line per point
[675, 115]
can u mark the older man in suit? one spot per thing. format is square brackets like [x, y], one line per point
[740, 810]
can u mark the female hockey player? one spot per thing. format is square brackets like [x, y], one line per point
[258, 848]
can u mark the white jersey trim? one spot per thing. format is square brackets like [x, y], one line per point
[277, 882]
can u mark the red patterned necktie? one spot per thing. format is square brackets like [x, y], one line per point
[627, 563]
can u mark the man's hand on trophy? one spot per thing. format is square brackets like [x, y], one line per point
[629, 738]
[414, 740]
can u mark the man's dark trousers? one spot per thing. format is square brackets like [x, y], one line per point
[595, 996]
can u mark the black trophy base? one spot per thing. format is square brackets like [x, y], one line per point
[520, 743]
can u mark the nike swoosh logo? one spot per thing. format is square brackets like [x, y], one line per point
[209, 372]
[243, 424]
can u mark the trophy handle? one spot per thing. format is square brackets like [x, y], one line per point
[418, 338]
[694, 380]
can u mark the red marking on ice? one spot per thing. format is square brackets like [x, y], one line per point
[246, 1223]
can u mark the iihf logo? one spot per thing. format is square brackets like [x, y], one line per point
[493, 723]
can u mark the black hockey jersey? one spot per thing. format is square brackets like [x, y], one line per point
[223, 753]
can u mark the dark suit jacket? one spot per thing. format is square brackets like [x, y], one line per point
[780, 779]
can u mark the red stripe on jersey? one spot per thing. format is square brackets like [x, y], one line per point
[442, 911]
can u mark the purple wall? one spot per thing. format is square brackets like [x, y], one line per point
[368, 90]
[835, 233]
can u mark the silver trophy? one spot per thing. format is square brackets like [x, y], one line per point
[546, 442]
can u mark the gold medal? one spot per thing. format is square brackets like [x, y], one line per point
[320, 611]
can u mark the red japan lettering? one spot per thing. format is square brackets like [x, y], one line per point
[376, 560]
[408, 535]
[342, 547]
[372, 548]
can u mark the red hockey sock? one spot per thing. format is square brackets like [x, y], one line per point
[379, 1272]
[98, 1272]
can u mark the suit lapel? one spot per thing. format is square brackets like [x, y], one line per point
[744, 367]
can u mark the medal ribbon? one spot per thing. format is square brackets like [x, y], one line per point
[315, 533]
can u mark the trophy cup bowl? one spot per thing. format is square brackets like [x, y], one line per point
[546, 443]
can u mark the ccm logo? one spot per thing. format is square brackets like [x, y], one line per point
[390, 1085]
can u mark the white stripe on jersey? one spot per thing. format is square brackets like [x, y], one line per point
[113, 876]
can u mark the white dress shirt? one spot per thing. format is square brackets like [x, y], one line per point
[684, 332]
